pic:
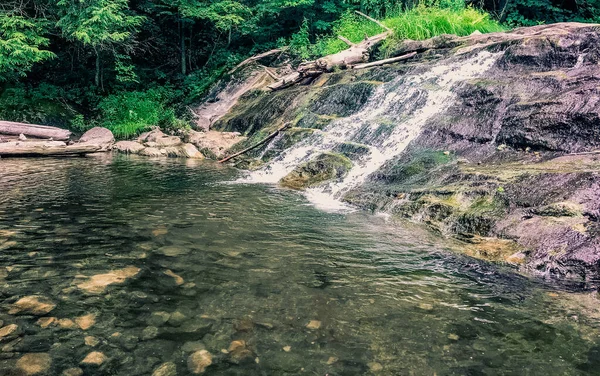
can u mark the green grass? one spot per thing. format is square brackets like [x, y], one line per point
[426, 22]
[419, 23]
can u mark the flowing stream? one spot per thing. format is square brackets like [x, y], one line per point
[163, 259]
[392, 117]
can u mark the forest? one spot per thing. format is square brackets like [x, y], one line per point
[128, 65]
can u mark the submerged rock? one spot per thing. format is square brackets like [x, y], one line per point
[98, 283]
[166, 369]
[323, 168]
[199, 361]
[86, 321]
[7, 330]
[32, 305]
[34, 363]
[95, 358]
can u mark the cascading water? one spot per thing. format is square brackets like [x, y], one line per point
[392, 117]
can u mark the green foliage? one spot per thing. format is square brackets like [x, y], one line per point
[21, 45]
[41, 104]
[97, 23]
[299, 43]
[534, 12]
[425, 22]
[350, 26]
[127, 114]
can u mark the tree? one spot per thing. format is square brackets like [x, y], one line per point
[21, 45]
[103, 25]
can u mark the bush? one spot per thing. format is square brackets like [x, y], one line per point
[127, 114]
[43, 104]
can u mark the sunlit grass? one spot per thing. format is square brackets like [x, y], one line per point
[419, 23]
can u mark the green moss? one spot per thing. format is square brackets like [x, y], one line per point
[352, 150]
[325, 167]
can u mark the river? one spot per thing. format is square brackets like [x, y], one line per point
[149, 261]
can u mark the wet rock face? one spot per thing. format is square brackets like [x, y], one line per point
[489, 163]
[324, 167]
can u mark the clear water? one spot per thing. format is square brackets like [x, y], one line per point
[258, 264]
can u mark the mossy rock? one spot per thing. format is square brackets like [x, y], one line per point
[352, 150]
[325, 167]
[314, 121]
[560, 209]
[290, 137]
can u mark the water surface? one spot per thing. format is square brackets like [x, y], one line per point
[215, 262]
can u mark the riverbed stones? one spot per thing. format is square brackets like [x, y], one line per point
[177, 318]
[34, 363]
[158, 318]
[32, 305]
[98, 283]
[149, 332]
[375, 367]
[199, 361]
[7, 330]
[193, 346]
[173, 251]
[95, 358]
[166, 369]
[313, 325]
[178, 280]
[74, 371]
[86, 321]
[91, 341]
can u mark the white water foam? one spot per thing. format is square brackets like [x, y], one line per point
[406, 103]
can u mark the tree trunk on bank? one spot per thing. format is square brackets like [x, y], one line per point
[97, 77]
[33, 130]
[44, 148]
[357, 53]
[183, 58]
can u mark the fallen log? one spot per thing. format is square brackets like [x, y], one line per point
[355, 54]
[384, 61]
[34, 130]
[261, 142]
[254, 58]
[45, 148]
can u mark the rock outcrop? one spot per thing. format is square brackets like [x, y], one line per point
[157, 144]
[508, 150]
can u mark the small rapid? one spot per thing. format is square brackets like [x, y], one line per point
[393, 116]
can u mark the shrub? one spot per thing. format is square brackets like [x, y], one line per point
[127, 114]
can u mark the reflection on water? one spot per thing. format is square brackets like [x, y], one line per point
[123, 266]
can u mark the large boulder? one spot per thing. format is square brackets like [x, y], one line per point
[98, 136]
[129, 147]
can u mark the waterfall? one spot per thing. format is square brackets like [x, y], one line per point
[392, 117]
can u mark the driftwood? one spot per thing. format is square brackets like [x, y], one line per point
[355, 54]
[45, 148]
[256, 57]
[384, 61]
[34, 130]
[261, 142]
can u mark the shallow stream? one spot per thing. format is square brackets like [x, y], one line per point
[150, 261]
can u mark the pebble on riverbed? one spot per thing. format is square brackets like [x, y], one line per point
[96, 284]
[32, 305]
[34, 363]
[95, 358]
[199, 361]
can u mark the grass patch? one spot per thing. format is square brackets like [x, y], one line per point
[421, 22]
